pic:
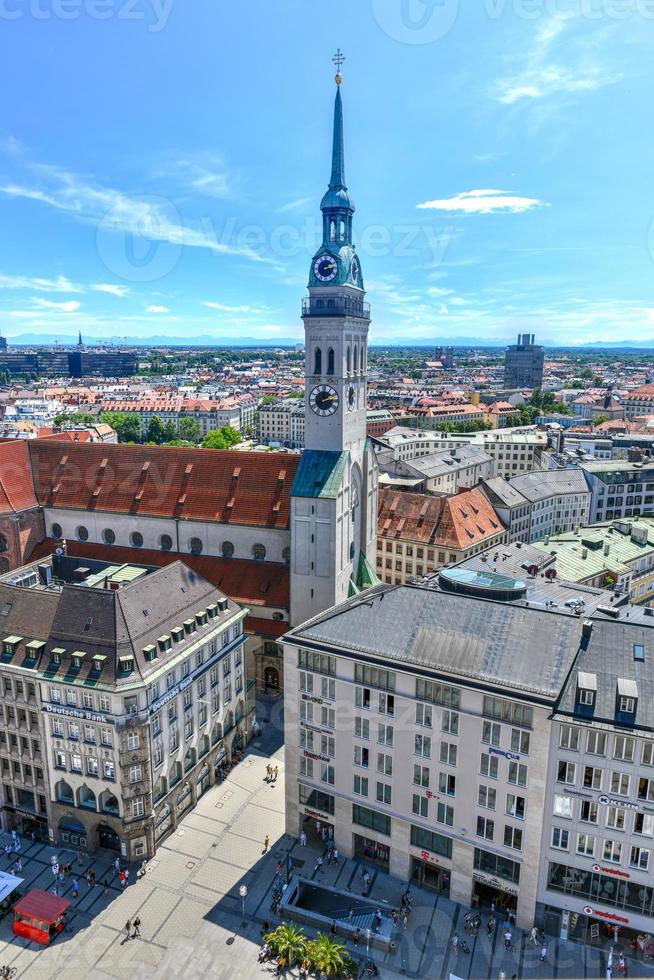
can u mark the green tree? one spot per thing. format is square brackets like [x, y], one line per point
[189, 429]
[126, 424]
[76, 418]
[286, 940]
[326, 955]
[600, 419]
[268, 400]
[155, 431]
[221, 438]
[170, 432]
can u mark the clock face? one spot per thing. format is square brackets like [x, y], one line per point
[325, 267]
[324, 400]
[351, 397]
[355, 272]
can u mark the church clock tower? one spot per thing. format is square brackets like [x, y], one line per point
[334, 496]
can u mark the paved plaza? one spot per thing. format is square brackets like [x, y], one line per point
[191, 912]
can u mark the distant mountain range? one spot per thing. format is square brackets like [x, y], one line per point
[206, 340]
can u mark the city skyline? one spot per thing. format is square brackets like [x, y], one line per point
[491, 197]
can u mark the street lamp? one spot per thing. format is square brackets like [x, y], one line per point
[243, 891]
[368, 935]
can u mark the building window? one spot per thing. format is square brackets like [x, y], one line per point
[450, 722]
[569, 738]
[560, 838]
[227, 549]
[166, 542]
[566, 772]
[364, 817]
[422, 746]
[133, 739]
[108, 536]
[485, 828]
[420, 805]
[82, 533]
[596, 743]
[489, 765]
[448, 753]
[136, 539]
[195, 546]
[515, 806]
[491, 733]
[487, 797]
[639, 858]
[513, 837]
[612, 851]
[258, 552]
[360, 785]
[57, 531]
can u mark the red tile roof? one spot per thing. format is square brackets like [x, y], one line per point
[460, 521]
[250, 583]
[225, 486]
[16, 487]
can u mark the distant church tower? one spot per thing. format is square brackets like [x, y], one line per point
[334, 496]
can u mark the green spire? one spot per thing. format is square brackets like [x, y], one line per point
[337, 181]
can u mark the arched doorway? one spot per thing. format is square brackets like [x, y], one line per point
[271, 678]
[107, 837]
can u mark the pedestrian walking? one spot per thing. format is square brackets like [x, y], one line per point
[318, 867]
[14, 836]
[137, 928]
[395, 916]
[143, 869]
[357, 936]
[332, 928]
[335, 855]
[455, 943]
[75, 888]
[318, 827]
[508, 936]
[278, 869]
[303, 839]
[80, 858]
[89, 878]
[267, 772]
[534, 936]
[128, 929]
[621, 964]
[123, 879]
[493, 909]
[127, 876]
[543, 953]
[266, 842]
[276, 773]
[55, 891]
[265, 927]
[405, 920]
[105, 886]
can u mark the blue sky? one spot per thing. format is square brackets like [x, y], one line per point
[162, 164]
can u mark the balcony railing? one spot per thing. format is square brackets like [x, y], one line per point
[335, 306]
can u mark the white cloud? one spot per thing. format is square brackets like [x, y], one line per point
[157, 309]
[550, 80]
[294, 205]
[145, 217]
[110, 288]
[204, 174]
[58, 285]
[231, 309]
[69, 306]
[564, 57]
[486, 201]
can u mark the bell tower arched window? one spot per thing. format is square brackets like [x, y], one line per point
[317, 366]
[349, 360]
[330, 361]
[332, 230]
[356, 359]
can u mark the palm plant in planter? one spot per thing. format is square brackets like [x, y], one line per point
[288, 941]
[326, 955]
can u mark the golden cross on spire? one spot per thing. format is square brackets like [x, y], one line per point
[338, 60]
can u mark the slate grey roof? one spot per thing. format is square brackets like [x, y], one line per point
[609, 655]
[500, 492]
[448, 461]
[539, 484]
[509, 645]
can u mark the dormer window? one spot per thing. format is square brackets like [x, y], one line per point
[150, 652]
[77, 659]
[189, 626]
[164, 642]
[626, 699]
[177, 634]
[56, 654]
[10, 645]
[586, 692]
[126, 665]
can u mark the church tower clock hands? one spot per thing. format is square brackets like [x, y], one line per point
[334, 497]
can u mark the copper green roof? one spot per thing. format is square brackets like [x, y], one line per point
[352, 590]
[319, 474]
[366, 577]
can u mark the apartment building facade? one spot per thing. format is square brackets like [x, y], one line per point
[619, 488]
[595, 879]
[124, 690]
[418, 715]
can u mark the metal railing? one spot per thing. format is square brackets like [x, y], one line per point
[336, 306]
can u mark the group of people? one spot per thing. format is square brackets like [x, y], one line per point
[272, 772]
[134, 925]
